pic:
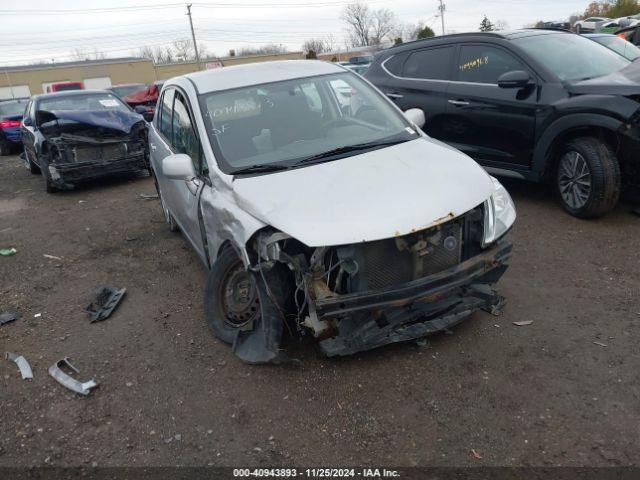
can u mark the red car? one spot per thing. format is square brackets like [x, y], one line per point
[64, 86]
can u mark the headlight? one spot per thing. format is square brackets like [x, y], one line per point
[499, 214]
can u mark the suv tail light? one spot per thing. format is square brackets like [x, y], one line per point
[9, 123]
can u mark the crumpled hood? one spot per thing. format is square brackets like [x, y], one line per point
[379, 194]
[622, 82]
[114, 119]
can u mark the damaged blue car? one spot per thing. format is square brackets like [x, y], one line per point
[75, 136]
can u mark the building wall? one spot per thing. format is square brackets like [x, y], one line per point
[136, 71]
[132, 71]
[165, 72]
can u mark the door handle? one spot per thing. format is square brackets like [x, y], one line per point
[394, 95]
[459, 103]
[153, 147]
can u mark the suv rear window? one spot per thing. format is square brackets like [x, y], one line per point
[431, 64]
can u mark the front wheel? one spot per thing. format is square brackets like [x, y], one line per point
[588, 178]
[231, 300]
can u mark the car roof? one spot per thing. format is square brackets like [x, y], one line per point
[67, 93]
[127, 85]
[598, 35]
[257, 73]
[502, 34]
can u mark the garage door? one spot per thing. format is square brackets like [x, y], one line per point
[18, 91]
[98, 83]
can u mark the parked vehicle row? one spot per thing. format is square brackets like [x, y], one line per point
[532, 104]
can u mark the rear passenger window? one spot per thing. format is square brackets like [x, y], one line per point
[485, 64]
[431, 64]
[394, 64]
[165, 113]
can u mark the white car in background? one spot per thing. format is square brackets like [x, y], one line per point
[591, 24]
[353, 227]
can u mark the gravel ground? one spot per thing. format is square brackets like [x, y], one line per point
[170, 394]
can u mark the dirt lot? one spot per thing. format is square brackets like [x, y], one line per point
[542, 394]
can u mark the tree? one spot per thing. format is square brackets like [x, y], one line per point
[424, 32]
[486, 25]
[357, 16]
[397, 41]
[83, 54]
[367, 27]
[311, 55]
[269, 49]
[315, 45]
[382, 23]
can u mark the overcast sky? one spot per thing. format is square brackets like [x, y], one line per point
[46, 30]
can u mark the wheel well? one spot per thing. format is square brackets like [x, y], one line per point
[605, 135]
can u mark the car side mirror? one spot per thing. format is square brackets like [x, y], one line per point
[178, 167]
[415, 116]
[141, 109]
[27, 122]
[514, 79]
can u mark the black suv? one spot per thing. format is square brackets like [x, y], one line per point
[531, 104]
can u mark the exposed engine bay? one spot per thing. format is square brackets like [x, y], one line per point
[357, 297]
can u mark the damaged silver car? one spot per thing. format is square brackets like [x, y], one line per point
[317, 216]
[74, 136]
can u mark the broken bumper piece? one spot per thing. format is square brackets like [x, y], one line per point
[83, 388]
[64, 176]
[23, 365]
[410, 311]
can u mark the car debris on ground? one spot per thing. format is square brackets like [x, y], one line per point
[148, 196]
[7, 317]
[23, 365]
[7, 252]
[106, 299]
[523, 323]
[51, 257]
[83, 388]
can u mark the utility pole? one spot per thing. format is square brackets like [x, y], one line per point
[193, 36]
[441, 8]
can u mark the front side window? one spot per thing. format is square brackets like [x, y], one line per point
[165, 113]
[485, 64]
[184, 139]
[291, 122]
[83, 102]
[571, 57]
[430, 64]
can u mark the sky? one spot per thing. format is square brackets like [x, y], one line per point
[42, 30]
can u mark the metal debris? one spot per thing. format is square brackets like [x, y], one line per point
[52, 257]
[7, 317]
[601, 344]
[523, 323]
[147, 196]
[23, 365]
[83, 388]
[106, 299]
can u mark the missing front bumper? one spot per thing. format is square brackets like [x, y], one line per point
[410, 311]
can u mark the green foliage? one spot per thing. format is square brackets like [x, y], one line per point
[486, 25]
[612, 8]
[397, 41]
[425, 32]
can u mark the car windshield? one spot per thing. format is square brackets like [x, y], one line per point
[627, 49]
[124, 90]
[289, 122]
[572, 57]
[95, 101]
[8, 109]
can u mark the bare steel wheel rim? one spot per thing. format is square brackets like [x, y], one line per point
[240, 303]
[574, 179]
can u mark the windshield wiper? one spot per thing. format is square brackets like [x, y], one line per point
[350, 148]
[259, 169]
